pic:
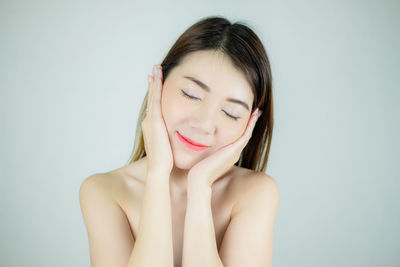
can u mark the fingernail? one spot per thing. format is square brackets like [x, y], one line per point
[155, 70]
[256, 112]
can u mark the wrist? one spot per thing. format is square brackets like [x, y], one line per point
[158, 176]
[157, 172]
[198, 186]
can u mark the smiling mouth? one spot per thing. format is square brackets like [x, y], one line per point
[190, 144]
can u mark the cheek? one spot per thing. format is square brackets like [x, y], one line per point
[172, 108]
[231, 131]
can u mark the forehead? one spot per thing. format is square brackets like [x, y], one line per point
[216, 70]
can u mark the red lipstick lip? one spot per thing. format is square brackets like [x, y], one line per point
[191, 141]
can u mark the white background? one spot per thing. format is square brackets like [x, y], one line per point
[73, 75]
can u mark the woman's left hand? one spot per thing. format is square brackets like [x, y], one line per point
[208, 170]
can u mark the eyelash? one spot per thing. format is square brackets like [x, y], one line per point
[196, 98]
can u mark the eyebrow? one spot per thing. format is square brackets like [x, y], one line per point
[207, 88]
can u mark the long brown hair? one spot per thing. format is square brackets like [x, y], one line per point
[247, 53]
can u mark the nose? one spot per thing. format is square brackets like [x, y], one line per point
[204, 120]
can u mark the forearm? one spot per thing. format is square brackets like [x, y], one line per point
[199, 243]
[153, 245]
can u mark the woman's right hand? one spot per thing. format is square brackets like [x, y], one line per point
[155, 135]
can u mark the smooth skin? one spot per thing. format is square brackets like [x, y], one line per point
[248, 226]
[158, 147]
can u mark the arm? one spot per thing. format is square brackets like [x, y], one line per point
[251, 226]
[199, 243]
[154, 241]
[110, 238]
[109, 233]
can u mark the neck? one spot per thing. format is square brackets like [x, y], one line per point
[177, 178]
[178, 181]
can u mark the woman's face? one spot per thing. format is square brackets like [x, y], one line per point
[210, 118]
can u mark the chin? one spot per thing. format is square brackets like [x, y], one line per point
[184, 161]
[184, 158]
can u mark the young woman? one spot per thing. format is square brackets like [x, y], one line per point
[195, 192]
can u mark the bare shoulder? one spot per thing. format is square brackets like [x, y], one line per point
[103, 182]
[98, 186]
[253, 187]
[109, 233]
[121, 185]
[98, 181]
[252, 180]
[252, 220]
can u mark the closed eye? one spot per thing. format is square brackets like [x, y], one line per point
[231, 116]
[196, 98]
[189, 96]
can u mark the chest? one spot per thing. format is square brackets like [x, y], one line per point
[221, 206]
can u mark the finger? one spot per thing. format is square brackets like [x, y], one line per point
[149, 82]
[157, 87]
[241, 142]
[252, 122]
[151, 92]
[250, 126]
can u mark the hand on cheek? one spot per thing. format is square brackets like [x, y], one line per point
[211, 168]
